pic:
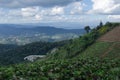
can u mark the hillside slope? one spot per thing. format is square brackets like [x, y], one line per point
[111, 36]
[102, 50]
[107, 45]
[17, 54]
[101, 41]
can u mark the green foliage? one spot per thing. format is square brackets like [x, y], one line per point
[71, 69]
[6, 47]
[77, 59]
[103, 30]
[79, 45]
[17, 54]
[87, 29]
[101, 24]
[101, 49]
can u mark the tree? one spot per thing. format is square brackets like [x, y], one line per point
[108, 24]
[101, 24]
[87, 29]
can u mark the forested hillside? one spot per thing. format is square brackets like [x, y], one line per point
[17, 54]
[6, 47]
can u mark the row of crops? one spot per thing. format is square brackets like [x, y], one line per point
[72, 69]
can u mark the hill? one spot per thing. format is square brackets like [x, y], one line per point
[85, 44]
[84, 58]
[108, 45]
[6, 47]
[102, 50]
[12, 55]
[13, 29]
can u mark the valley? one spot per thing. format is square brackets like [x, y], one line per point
[13, 34]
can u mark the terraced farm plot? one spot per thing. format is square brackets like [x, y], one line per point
[111, 36]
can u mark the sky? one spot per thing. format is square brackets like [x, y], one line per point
[82, 12]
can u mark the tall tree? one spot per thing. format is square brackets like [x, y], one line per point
[101, 24]
[87, 29]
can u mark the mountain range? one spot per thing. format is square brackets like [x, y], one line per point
[21, 34]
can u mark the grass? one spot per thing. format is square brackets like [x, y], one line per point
[99, 49]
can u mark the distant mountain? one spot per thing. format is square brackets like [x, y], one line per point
[21, 34]
[12, 29]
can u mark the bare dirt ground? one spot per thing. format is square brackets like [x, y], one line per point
[111, 36]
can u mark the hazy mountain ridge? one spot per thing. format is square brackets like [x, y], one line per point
[13, 34]
[6, 29]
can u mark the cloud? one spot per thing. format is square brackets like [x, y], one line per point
[57, 11]
[117, 17]
[38, 17]
[29, 11]
[76, 8]
[34, 10]
[106, 7]
[29, 3]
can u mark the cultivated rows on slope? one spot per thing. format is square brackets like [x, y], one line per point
[102, 50]
[108, 45]
[112, 36]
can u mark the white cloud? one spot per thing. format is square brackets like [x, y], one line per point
[57, 11]
[29, 11]
[77, 8]
[38, 17]
[36, 13]
[117, 17]
[74, 12]
[106, 7]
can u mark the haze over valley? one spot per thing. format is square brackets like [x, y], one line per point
[22, 34]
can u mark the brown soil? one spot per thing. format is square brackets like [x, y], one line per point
[111, 36]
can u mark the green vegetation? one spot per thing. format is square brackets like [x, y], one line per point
[17, 54]
[5, 47]
[79, 45]
[102, 50]
[69, 69]
[83, 58]
[87, 29]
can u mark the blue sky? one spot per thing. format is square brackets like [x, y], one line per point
[84, 12]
